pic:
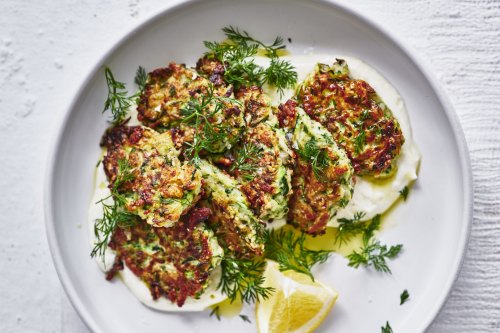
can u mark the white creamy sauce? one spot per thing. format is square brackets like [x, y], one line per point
[369, 196]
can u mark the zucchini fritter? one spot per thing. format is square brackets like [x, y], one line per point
[162, 188]
[174, 262]
[174, 95]
[322, 179]
[263, 160]
[358, 119]
[236, 227]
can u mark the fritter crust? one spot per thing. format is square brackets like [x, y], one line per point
[358, 119]
[174, 262]
[162, 188]
[317, 193]
[235, 225]
[169, 90]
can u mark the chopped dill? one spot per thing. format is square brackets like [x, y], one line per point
[290, 252]
[246, 157]
[387, 328]
[404, 192]
[316, 156]
[404, 297]
[199, 113]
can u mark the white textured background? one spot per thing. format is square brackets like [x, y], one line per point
[47, 47]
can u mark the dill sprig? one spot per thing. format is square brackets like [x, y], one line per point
[374, 254]
[215, 312]
[246, 157]
[243, 278]
[240, 70]
[350, 227]
[118, 101]
[141, 78]
[290, 252]
[243, 38]
[200, 113]
[404, 297]
[317, 157]
[113, 213]
[387, 328]
[404, 192]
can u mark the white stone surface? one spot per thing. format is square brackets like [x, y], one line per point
[47, 47]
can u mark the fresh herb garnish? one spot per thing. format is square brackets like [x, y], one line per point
[243, 278]
[200, 113]
[404, 192]
[117, 102]
[113, 213]
[404, 297]
[246, 157]
[290, 252]
[141, 78]
[240, 69]
[387, 328]
[316, 156]
[215, 312]
[374, 254]
[245, 318]
[349, 227]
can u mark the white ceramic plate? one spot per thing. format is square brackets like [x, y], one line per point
[433, 225]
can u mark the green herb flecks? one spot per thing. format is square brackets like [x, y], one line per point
[289, 251]
[240, 70]
[404, 192]
[200, 113]
[404, 297]
[215, 312]
[113, 213]
[247, 157]
[316, 156]
[243, 278]
[387, 328]
[141, 78]
[245, 318]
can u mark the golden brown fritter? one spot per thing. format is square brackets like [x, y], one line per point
[177, 98]
[358, 119]
[322, 178]
[237, 228]
[174, 262]
[162, 188]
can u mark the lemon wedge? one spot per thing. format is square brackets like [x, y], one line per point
[298, 304]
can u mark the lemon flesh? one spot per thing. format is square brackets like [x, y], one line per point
[298, 304]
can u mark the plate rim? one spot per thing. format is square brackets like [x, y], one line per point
[443, 98]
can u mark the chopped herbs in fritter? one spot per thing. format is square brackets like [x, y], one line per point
[200, 113]
[358, 119]
[322, 181]
[287, 248]
[236, 54]
[246, 159]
